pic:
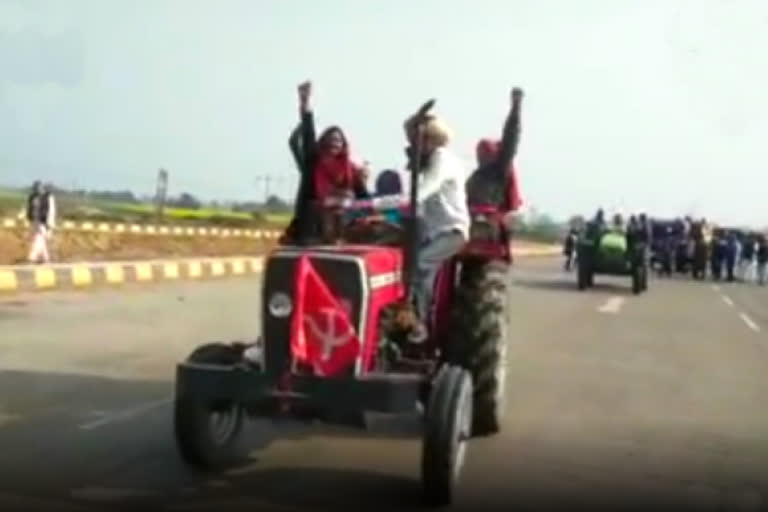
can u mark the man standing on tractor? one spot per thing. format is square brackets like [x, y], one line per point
[441, 206]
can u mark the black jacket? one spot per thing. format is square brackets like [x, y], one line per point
[762, 253]
[303, 143]
[488, 184]
[38, 206]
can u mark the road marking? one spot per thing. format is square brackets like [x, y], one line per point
[115, 274]
[194, 269]
[171, 270]
[752, 325]
[716, 287]
[81, 276]
[8, 280]
[45, 277]
[109, 494]
[143, 271]
[125, 414]
[727, 300]
[217, 268]
[612, 305]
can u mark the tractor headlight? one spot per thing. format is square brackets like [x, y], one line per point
[280, 305]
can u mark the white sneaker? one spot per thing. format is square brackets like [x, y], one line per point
[254, 355]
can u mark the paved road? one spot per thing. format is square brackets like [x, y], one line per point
[614, 399]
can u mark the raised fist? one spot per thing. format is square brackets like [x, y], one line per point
[305, 89]
[517, 94]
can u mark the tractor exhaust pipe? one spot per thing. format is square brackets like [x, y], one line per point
[413, 228]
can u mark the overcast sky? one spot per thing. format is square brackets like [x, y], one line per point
[647, 104]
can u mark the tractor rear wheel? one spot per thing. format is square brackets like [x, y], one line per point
[207, 433]
[477, 339]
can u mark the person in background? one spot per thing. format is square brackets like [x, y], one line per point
[667, 252]
[717, 254]
[706, 230]
[360, 185]
[41, 215]
[762, 258]
[731, 254]
[747, 258]
[645, 235]
[599, 219]
[569, 248]
[389, 183]
[618, 223]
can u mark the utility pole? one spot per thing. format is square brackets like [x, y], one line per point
[161, 193]
[268, 179]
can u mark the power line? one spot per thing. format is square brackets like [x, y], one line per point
[268, 179]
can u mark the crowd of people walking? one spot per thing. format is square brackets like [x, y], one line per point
[688, 246]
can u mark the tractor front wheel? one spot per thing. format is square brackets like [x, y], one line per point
[447, 429]
[207, 433]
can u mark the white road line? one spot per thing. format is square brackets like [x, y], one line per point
[751, 324]
[727, 300]
[716, 287]
[612, 305]
[125, 414]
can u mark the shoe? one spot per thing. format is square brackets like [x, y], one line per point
[254, 355]
[418, 333]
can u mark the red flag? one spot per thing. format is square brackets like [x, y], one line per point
[322, 333]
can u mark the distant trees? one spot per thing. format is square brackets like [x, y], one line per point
[185, 200]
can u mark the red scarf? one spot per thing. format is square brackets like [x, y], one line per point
[488, 149]
[333, 173]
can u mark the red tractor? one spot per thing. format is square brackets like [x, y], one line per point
[335, 346]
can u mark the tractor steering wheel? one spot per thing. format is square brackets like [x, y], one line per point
[376, 220]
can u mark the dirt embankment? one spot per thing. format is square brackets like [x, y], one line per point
[68, 246]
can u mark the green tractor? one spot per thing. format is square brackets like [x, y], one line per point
[601, 251]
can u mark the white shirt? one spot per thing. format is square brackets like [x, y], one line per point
[51, 220]
[442, 199]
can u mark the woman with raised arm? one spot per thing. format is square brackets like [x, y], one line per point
[325, 166]
[495, 181]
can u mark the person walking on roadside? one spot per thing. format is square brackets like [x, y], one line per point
[569, 248]
[41, 215]
[747, 258]
[762, 258]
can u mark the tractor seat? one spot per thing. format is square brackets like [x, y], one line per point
[613, 241]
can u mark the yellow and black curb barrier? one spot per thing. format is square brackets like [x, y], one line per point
[73, 276]
[151, 229]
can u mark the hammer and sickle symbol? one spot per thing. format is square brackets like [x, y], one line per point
[329, 338]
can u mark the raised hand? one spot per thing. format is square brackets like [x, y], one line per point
[305, 90]
[517, 94]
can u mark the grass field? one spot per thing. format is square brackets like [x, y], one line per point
[79, 208]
